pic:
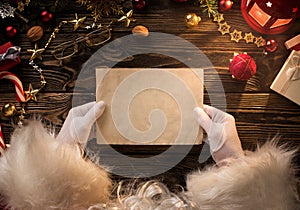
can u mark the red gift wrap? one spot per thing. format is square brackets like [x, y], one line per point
[8, 63]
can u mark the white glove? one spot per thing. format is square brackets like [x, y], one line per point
[78, 124]
[221, 132]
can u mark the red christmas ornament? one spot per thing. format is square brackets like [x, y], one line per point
[242, 67]
[270, 16]
[46, 16]
[139, 4]
[271, 45]
[225, 5]
[10, 31]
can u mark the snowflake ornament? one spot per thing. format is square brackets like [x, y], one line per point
[6, 11]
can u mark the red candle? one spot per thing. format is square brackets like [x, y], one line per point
[270, 16]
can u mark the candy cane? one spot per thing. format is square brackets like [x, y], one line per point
[18, 84]
[2, 143]
[19, 96]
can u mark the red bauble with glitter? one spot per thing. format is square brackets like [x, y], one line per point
[242, 67]
[270, 16]
[46, 16]
[10, 31]
[271, 45]
[139, 4]
[225, 5]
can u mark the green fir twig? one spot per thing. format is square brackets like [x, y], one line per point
[209, 6]
[101, 8]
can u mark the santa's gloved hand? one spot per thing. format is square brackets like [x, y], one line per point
[222, 135]
[78, 124]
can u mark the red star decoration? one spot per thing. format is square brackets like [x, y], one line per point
[295, 9]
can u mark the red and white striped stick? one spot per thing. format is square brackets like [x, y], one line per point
[18, 84]
[2, 143]
[19, 96]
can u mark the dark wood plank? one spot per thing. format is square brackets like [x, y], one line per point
[63, 78]
[280, 117]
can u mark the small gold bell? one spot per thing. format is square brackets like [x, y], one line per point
[9, 110]
[192, 20]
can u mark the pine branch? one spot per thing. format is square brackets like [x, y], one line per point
[51, 5]
[102, 8]
[209, 6]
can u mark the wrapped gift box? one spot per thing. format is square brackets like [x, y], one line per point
[11, 60]
[293, 43]
[149, 106]
[287, 82]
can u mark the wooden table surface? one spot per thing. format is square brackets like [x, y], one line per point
[260, 113]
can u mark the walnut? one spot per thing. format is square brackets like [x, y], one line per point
[140, 30]
[35, 33]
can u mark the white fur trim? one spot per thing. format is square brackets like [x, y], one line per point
[262, 180]
[38, 172]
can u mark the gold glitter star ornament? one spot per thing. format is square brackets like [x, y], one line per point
[249, 38]
[236, 35]
[224, 28]
[219, 17]
[260, 42]
[78, 22]
[127, 18]
[30, 94]
[36, 53]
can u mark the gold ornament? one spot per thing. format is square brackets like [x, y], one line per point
[30, 94]
[219, 17]
[36, 53]
[236, 35]
[22, 117]
[9, 110]
[249, 38]
[43, 81]
[224, 28]
[21, 6]
[77, 22]
[127, 18]
[260, 42]
[192, 20]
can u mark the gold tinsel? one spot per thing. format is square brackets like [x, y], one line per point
[102, 8]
